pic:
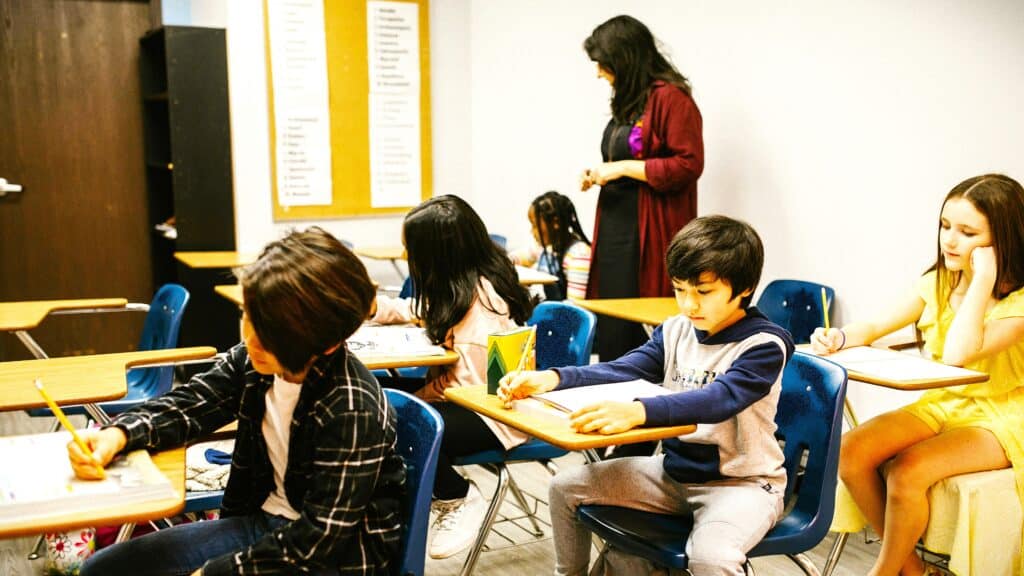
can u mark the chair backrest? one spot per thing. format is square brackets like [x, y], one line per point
[160, 331]
[407, 288]
[565, 334]
[419, 430]
[796, 306]
[809, 421]
[500, 240]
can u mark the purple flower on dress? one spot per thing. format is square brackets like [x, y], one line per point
[636, 144]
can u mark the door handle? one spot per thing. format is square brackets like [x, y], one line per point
[5, 187]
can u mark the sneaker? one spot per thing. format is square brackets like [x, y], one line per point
[457, 524]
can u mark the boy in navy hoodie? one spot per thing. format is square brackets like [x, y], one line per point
[724, 361]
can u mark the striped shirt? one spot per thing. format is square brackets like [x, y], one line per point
[344, 475]
[575, 269]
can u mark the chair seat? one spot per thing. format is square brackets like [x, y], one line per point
[659, 537]
[202, 501]
[532, 449]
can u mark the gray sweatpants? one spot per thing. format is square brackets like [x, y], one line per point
[729, 516]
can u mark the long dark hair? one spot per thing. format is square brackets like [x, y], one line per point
[449, 251]
[627, 49]
[304, 294]
[1001, 200]
[560, 231]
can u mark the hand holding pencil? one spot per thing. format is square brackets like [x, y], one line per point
[89, 452]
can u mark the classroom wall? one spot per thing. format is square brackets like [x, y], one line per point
[834, 128]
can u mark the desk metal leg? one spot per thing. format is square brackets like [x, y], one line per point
[398, 269]
[833, 554]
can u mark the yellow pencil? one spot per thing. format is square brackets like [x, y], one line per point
[824, 307]
[526, 349]
[67, 424]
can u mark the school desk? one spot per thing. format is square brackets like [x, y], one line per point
[215, 259]
[553, 430]
[81, 379]
[390, 253]
[170, 462]
[233, 292]
[19, 317]
[649, 311]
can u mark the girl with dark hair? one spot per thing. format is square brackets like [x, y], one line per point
[969, 308]
[652, 154]
[562, 248]
[316, 483]
[466, 288]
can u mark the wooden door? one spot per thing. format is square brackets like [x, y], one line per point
[71, 135]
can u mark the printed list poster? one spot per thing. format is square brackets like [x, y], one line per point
[302, 122]
[394, 99]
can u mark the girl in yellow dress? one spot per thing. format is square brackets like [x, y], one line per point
[969, 308]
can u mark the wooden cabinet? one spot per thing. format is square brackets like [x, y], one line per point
[187, 131]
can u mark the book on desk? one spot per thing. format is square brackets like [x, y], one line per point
[37, 481]
[375, 341]
[902, 370]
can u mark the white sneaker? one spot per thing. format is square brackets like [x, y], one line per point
[457, 523]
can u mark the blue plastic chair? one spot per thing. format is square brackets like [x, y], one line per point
[565, 337]
[809, 423]
[160, 331]
[796, 306]
[419, 442]
[500, 240]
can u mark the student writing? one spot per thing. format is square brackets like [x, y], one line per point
[724, 362]
[466, 288]
[561, 248]
[316, 484]
[969, 308]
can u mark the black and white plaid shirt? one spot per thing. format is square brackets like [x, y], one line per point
[344, 475]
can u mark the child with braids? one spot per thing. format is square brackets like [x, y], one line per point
[562, 248]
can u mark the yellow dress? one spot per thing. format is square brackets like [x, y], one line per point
[996, 405]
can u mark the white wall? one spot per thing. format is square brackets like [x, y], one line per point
[834, 128]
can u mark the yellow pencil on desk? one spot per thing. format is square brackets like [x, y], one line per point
[526, 349]
[824, 307]
[67, 424]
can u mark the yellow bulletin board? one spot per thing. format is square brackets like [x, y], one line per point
[348, 85]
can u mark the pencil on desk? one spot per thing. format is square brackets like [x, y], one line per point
[824, 307]
[67, 424]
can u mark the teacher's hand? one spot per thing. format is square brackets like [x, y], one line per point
[604, 173]
[585, 181]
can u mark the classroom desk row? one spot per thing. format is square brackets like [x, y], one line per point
[63, 378]
[527, 276]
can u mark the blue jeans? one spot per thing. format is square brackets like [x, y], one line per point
[183, 549]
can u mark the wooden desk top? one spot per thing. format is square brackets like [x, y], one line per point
[232, 292]
[552, 430]
[386, 362]
[529, 276]
[170, 462]
[28, 315]
[225, 259]
[381, 252]
[81, 379]
[899, 370]
[652, 311]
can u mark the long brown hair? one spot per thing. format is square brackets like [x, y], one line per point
[1001, 200]
[627, 49]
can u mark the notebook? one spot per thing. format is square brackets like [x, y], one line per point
[36, 480]
[377, 341]
[567, 401]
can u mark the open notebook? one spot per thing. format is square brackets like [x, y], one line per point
[376, 341]
[36, 480]
[564, 402]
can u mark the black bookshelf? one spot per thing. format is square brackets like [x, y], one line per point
[187, 134]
